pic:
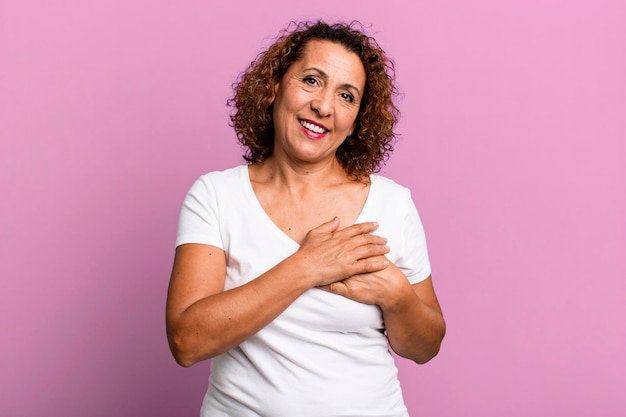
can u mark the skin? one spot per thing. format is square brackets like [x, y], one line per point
[308, 195]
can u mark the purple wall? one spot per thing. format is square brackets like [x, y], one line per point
[513, 142]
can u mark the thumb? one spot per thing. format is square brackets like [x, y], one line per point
[339, 288]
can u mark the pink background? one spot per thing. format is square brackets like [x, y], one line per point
[513, 142]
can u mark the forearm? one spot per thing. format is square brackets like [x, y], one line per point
[415, 329]
[203, 320]
[221, 321]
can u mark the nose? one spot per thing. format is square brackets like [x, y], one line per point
[322, 103]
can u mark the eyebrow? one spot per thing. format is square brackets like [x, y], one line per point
[324, 75]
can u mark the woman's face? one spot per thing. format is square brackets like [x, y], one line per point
[316, 103]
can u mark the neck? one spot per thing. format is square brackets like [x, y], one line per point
[295, 175]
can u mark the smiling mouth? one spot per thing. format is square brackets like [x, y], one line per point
[313, 127]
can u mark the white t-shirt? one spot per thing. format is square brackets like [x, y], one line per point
[325, 355]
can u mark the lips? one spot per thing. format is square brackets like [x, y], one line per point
[313, 127]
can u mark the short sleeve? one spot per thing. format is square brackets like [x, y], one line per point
[199, 216]
[413, 259]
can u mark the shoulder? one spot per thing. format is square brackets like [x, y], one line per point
[218, 185]
[227, 179]
[230, 174]
[387, 188]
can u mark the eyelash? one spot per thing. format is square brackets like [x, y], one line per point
[348, 96]
[313, 81]
[307, 80]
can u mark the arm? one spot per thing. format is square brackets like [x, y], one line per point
[415, 323]
[203, 320]
[412, 315]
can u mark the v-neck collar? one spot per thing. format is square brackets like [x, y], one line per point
[261, 213]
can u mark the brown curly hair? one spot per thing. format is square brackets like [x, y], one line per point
[371, 143]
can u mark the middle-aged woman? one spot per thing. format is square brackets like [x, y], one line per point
[297, 271]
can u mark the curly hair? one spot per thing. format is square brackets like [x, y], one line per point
[371, 143]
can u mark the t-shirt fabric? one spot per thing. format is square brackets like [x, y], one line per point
[325, 355]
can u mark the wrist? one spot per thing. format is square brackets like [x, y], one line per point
[295, 268]
[399, 298]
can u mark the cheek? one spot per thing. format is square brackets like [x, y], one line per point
[350, 120]
[285, 102]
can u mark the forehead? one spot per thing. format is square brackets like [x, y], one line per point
[331, 56]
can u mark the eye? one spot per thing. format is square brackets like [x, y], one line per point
[309, 80]
[348, 97]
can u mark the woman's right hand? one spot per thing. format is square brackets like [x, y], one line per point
[203, 320]
[329, 254]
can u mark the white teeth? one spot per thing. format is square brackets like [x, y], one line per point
[312, 127]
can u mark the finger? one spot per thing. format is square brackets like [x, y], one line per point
[369, 251]
[359, 229]
[324, 287]
[328, 227]
[368, 239]
[338, 287]
[367, 265]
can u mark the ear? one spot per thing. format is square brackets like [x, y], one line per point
[270, 99]
[352, 129]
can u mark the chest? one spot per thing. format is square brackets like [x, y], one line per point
[296, 215]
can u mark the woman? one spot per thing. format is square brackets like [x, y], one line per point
[295, 272]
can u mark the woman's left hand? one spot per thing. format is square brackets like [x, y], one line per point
[413, 320]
